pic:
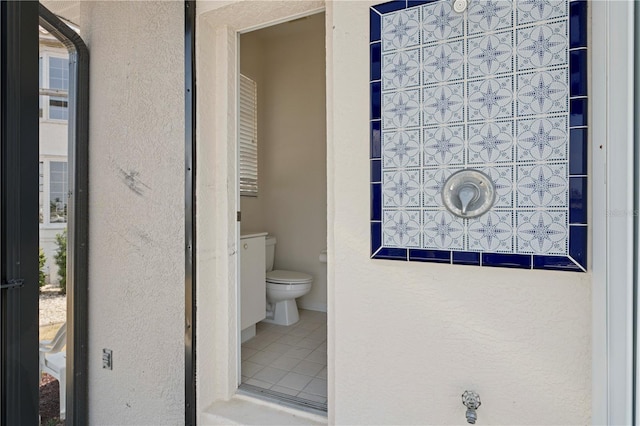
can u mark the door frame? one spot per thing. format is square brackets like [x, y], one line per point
[612, 211]
[215, 214]
[19, 400]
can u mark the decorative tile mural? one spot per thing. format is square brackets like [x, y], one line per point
[501, 88]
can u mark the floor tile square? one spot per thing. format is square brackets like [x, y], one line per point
[295, 381]
[308, 343]
[299, 332]
[289, 340]
[317, 387]
[270, 375]
[308, 325]
[250, 368]
[257, 343]
[280, 348]
[300, 353]
[318, 356]
[264, 358]
[248, 352]
[282, 329]
[322, 374]
[319, 334]
[289, 359]
[285, 363]
[270, 336]
[308, 368]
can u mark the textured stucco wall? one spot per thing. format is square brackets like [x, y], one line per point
[407, 339]
[136, 234]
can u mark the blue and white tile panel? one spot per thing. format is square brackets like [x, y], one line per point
[502, 88]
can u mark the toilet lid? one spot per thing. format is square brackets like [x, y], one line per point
[288, 277]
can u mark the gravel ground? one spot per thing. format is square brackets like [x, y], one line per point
[53, 311]
[53, 306]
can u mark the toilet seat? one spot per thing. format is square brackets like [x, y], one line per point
[288, 277]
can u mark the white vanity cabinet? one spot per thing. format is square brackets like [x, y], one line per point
[253, 297]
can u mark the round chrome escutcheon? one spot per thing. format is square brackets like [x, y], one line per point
[468, 193]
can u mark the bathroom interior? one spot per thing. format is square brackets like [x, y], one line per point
[283, 339]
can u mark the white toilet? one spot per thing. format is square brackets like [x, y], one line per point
[283, 287]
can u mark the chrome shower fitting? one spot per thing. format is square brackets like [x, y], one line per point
[471, 400]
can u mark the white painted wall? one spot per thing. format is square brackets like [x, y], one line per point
[136, 227]
[54, 138]
[292, 147]
[406, 339]
[252, 65]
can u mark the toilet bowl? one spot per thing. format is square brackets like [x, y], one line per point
[283, 287]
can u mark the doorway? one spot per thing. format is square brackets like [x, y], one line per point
[286, 359]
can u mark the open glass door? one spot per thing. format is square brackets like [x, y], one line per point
[19, 211]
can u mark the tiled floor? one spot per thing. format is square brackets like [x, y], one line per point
[290, 360]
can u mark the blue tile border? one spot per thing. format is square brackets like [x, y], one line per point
[374, 26]
[376, 201]
[391, 253]
[578, 112]
[376, 57]
[578, 237]
[376, 100]
[376, 171]
[577, 158]
[376, 148]
[391, 6]
[376, 236]
[522, 261]
[421, 255]
[466, 258]
[578, 148]
[578, 79]
[412, 3]
[578, 200]
[577, 24]
[558, 263]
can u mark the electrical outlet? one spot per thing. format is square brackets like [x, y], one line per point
[107, 359]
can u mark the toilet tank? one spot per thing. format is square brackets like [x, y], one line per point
[270, 251]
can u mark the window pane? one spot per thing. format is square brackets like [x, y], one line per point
[58, 166]
[58, 189]
[40, 98]
[58, 108]
[40, 190]
[58, 73]
[248, 137]
[58, 79]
